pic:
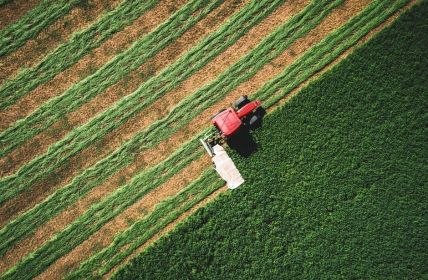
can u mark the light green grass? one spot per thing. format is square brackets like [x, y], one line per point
[32, 23]
[68, 53]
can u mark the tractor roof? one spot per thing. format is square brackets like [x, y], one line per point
[227, 121]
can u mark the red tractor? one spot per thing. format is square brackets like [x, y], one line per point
[231, 120]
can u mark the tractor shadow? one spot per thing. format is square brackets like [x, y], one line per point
[243, 142]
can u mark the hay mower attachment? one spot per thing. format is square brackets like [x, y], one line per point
[227, 123]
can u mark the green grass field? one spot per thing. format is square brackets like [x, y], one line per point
[100, 152]
[337, 187]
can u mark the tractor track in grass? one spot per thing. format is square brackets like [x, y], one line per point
[95, 152]
[13, 10]
[89, 63]
[137, 211]
[36, 48]
[127, 85]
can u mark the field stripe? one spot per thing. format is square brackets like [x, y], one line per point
[128, 84]
[136, 211]
[143, 50]
[100, 149]
[381, 11]
[101, 213]
[28, 26]
[70, 52]
[279, 35]
[109, 74]
[78, 187]
[47, 40]
[84, 136]
[140, 232]
[13, 10]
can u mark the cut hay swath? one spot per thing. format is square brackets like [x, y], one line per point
[106, 76]
[27, 27]
[67, 54]
[188, 109]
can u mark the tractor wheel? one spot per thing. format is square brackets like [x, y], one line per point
[213, 116]
[254, 119]
[241, 102]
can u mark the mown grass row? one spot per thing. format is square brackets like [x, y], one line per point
[148, 93]
[67, 54]
[151, 136]
[341, 176]
[99, 214]
[181, 21]
[41, 213]
[32, 23]
[334, 44]
[161, 129]
[110, 73]
[128, 241]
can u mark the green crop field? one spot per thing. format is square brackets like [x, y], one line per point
[99, 140]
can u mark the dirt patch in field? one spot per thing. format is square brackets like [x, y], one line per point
[127, 85]
[13, 10]
[137, 211]
[58, 32]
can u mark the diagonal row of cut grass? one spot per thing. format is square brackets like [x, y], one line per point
[140, 232]
[34, 21]
[142, 50]
[145, 139]
[41, 213]
[102, 212]
[327, 50]
[69, 53]
[110, 73]
[149, 92]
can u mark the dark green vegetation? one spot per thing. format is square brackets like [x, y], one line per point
[337, 187]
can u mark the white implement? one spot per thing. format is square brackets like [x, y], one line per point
[224, 166]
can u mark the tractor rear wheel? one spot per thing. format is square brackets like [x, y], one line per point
[241, 102]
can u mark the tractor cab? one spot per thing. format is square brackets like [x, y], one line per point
[229, 121]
